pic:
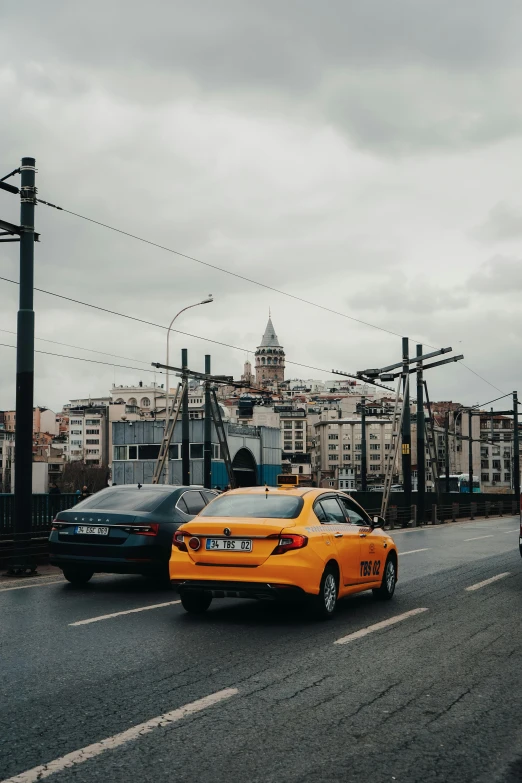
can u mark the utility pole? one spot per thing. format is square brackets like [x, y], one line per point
[364, 483]
[23, 490]
[406, 426]
[446, 449]
[185, 431]
[516, 450]
[207, 438]
[421, 443]
[470, 451]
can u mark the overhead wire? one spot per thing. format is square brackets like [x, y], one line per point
[222, 269]
[244, 277]
[82, 359]
[160, 326]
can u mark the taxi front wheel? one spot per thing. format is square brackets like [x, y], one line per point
[196, 601]
[324, 604]
[386, 590]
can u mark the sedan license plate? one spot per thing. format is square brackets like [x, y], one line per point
[91, 530]
[229, 544]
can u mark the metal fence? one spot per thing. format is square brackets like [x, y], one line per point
[449, 508]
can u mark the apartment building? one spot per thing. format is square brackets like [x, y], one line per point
[44, 420]
[88, 436]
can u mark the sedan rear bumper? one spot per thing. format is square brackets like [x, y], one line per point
[107, 565]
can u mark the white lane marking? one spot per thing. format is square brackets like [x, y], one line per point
[377, 627]
[25, 587]
[89, 752]
[119, 614]
[477, 538]
[414, 551]
[510, 531]
[487, 581]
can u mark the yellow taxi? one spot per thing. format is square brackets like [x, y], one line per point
[270, 543]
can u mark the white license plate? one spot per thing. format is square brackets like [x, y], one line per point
[91, 530]
[229, 544]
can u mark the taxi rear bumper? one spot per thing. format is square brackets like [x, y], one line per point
[232, 589]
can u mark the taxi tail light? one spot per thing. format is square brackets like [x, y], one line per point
[288, 542]
[178, 540]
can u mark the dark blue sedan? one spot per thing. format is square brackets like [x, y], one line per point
[125, 529]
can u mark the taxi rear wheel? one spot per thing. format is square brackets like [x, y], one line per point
[386, 590]
[196, 601]
[324, 604]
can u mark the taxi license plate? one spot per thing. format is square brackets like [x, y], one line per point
[229, 544]
[91, 530]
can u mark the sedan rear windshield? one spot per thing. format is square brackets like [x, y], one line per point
[269, 506]
[143, 499]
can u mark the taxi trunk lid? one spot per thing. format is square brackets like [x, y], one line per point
[262, 533]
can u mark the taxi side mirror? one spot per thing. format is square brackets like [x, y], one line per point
[377, 522]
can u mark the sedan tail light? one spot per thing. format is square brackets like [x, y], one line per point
[290, 541]
[152, 529]
[178, 540]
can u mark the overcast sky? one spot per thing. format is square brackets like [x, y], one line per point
[363, 155]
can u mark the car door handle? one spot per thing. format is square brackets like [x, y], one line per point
[338, 535]
[362, 535]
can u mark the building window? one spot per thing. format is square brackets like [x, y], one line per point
[93, 451]
[174, 451]
[76, 443]
[332, 447]
[484, 463]
[92, 441]
[76, 432]
[357, 447]
[92, 432]
[132, 401]
[299, 445]
[92, 422]
[496, 465]
[507, 464]
[298, 425]
[375, 446]
[287, 425]
[287, 446]
[76, 421]
[507, 476]
[119, 452]
[497, 477]
[357, 457]
[375, 457]
[216, 454]
[333, 437]
[196, 451]
[145, 402]
[333, 457]
[133, 452]
[148, 452]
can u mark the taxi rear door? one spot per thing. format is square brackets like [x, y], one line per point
[344, 535]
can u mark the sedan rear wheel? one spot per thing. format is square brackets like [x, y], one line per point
[325, 603]
[196, 601]
[77, 576]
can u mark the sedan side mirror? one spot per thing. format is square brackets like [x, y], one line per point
[378, 522]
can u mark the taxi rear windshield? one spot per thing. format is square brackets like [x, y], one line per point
[269, 506]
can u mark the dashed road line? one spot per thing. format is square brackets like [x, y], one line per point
[505, 532]
[91, 751]
[34, 584]
[414, 551]
[378, 626]
[119, 614]
[487, 581]
[478, 538]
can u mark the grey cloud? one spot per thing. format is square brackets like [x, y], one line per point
[500, 275]
[402, 294]
[395, 77]
[504, 222]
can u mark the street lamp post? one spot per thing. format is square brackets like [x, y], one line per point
[208, 300]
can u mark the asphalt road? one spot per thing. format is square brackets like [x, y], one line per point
[253, 692]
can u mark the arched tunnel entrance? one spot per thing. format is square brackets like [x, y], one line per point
[245, 468]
